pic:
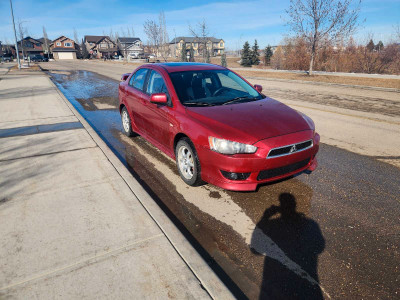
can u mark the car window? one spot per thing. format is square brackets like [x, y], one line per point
[138, 79]
[156, 84]
[229, 82]
[212, 87]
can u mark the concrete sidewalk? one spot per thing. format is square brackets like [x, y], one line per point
[74, 222]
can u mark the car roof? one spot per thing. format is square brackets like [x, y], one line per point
[185, 66]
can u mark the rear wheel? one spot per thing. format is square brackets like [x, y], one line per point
[188, 162]
[126, 122]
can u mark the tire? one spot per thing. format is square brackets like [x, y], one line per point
[126, 122]
[187, 162]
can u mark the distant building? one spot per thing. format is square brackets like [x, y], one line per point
[45, 45]
[29, 47]
[100, 46]
[130, 46]
[64, 48]
[215, 46]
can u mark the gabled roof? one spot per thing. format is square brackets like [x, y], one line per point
[128, 39]
[96, 38]
[29, 38]
[42, 40]
[191, 39]
[63, 37]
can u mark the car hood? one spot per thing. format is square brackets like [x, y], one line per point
[250, 122]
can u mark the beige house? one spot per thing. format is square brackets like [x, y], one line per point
[100, 46]
[63, 48]
[215, 46]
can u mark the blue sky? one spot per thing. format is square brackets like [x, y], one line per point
[234, 21]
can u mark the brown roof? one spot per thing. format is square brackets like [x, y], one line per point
[64, 50]
[95, 38]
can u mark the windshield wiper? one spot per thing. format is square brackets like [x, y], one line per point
[239, 99]
[199, 103]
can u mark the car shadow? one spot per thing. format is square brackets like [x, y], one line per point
[301, 240]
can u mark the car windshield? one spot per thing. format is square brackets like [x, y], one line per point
[212, 87]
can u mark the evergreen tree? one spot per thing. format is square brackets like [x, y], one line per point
[223, 60]
[246, 55]
[255, 56]
[379, 46]
[371, 45]
[191, 54]
[267, 55]
[85, 53]
[183, 53]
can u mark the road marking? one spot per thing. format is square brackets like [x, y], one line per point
[225, 210]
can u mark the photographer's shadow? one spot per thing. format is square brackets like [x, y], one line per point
[301, 240]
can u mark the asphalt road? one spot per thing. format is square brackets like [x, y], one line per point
[331, 234]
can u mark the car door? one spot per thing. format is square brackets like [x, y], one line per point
[156, 117]
[136, 97]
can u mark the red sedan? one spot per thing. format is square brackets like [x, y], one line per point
[216, 125]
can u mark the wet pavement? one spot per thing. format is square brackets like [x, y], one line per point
[332, 234]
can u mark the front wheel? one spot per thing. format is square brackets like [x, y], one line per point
[126, 122]
[188, 162]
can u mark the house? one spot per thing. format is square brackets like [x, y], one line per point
[100, 46]
[64, 48]
[130, 46]
[46, 46]
[29, 47]
[215, 46]
[8, 50]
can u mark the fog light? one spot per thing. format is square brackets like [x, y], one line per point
[235, 176]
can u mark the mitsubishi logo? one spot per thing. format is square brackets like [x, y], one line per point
[293, 149]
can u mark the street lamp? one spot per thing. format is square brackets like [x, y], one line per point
[15, 36]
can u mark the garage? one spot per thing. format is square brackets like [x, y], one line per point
[65, 55]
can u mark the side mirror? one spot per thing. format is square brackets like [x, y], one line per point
[125, 76]
[159, 98]
[258, 88]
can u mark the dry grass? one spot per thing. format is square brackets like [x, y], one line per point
[373, 82]
[257, 71]
[33, 68]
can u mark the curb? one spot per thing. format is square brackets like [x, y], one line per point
[202, 271]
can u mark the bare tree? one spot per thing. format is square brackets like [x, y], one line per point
[157, 35]
[318, 20]
[76, 38]
[46, 42]
[21, 33]
[201, 32]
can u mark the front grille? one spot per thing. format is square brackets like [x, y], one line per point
[290, 149]
[266, 174]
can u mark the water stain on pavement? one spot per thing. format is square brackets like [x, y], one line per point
[269, 242]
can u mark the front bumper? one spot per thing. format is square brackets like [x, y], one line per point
[261, 169]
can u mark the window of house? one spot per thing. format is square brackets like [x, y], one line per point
[68, 44]
[221, 44]
[58, 44]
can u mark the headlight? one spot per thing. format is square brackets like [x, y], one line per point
[228, 147]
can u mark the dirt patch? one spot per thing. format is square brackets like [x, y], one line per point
[373, 82]
[33, 68]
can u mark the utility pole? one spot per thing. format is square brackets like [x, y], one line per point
[15, 36]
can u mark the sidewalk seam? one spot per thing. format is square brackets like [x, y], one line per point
[87, 260]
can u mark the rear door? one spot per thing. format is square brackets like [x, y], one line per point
[156, 117]
[136, 97]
